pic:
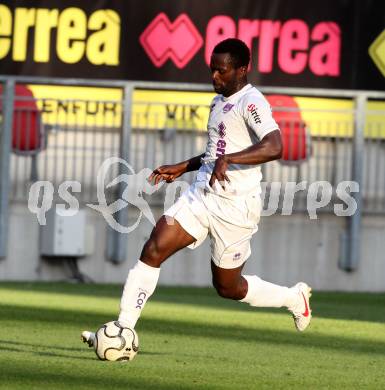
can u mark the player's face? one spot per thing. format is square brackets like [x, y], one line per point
[226, 79]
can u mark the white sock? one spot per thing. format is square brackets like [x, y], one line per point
[266, 294]
[140, 284]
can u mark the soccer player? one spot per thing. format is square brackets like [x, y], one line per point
[224, 200]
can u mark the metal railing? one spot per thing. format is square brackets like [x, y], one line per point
[77, 135]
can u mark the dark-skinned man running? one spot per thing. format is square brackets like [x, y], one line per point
[224, 200]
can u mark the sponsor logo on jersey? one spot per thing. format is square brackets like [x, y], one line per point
[221, 130]
[227, 108]
[221, 144]
[253, 110]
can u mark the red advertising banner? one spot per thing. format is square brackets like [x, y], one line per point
[327, 44]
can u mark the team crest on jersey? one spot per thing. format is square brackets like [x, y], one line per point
[253, 110]
[227, 108]
[221, 130]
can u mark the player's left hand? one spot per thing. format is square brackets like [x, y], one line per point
[219, 172]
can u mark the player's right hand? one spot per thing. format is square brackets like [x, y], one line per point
[168, 173]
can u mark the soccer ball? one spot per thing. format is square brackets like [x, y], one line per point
[114, 342]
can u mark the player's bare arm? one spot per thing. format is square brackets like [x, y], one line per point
[169, 173]
[268, 149]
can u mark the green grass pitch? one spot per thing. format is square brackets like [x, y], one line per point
[189, 339]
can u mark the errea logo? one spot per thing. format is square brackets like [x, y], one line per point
[222, 130]
[178, 41]
[237, 256]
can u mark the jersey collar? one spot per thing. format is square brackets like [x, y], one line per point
[236, 94]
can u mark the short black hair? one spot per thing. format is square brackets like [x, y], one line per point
[239, 52]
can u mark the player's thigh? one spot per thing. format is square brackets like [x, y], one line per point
[166, 238]
[230, 245]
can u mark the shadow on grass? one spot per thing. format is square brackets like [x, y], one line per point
[80, 289]
[344, 306]
[17, 343]
[43, 353]
[31, 376]
[16, 346]
[200, 330]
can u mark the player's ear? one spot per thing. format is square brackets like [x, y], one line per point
[243, 70]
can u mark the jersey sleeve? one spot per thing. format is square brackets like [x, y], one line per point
[257, 114]
[213, 103]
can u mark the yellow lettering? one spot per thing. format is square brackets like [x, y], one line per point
[45, 20]
[103, 45]
[24, 19]
[5, 30]
[71, 33]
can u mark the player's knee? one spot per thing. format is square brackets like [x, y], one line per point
[152, 253]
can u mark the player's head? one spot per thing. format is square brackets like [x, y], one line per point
[229, 62]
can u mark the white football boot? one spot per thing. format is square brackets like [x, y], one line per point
[301, 311]
[88, 337]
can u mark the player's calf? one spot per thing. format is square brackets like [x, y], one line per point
[235, 292]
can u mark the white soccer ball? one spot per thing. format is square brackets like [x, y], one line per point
[114, 342]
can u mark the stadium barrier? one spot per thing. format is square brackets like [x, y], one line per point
[64, 129]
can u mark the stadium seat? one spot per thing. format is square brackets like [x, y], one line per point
[28, 136]
[295, 137]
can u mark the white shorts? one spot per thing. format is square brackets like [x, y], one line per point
[230, 223]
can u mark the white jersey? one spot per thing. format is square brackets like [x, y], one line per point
[235, 123]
